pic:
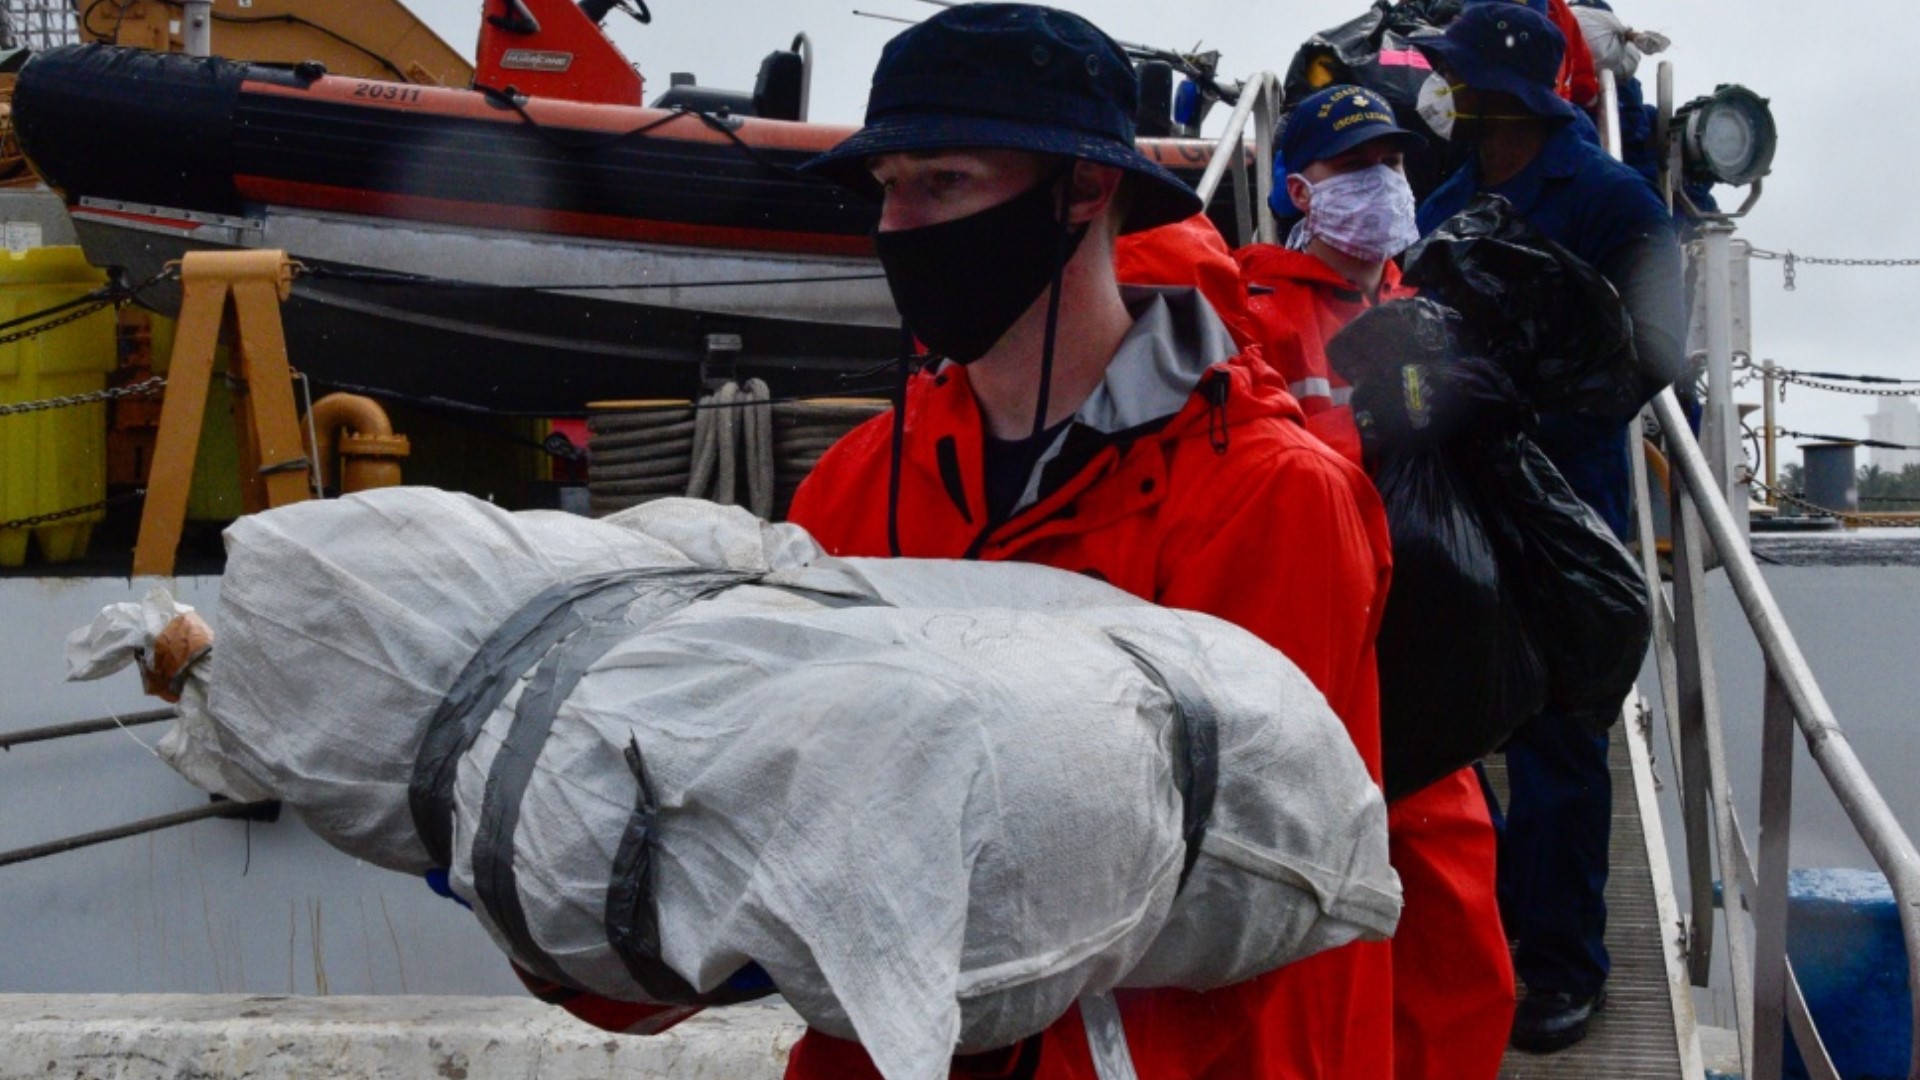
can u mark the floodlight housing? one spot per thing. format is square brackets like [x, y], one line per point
[1727, 137]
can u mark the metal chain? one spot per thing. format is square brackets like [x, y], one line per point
[118, 295]
[1784, 376]
[60, 515]
[142, 388]
[1887, 521]
[1861, 391]
[1788, 261]
[52, 324]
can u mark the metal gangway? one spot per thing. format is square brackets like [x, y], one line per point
[1733, 889]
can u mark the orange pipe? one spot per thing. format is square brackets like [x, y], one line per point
[356, 431]
[1657, 464]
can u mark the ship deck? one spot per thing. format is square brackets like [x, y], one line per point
[1640, 1034]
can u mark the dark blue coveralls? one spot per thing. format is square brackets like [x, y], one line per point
[1553, 853]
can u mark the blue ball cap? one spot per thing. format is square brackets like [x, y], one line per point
[1505, 47]
[1333, 121]
[1009, 77]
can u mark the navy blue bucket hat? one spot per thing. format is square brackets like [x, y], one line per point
[1009, 77]
[1333, 121]
[1505, 47]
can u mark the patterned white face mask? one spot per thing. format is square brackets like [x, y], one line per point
[1368, 214]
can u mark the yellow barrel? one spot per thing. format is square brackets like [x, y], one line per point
[55, 459]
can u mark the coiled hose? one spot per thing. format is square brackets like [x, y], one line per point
[736, 447]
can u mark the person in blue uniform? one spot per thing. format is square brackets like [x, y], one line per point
[1502, 59]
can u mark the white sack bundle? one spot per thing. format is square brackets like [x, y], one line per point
[1614, 45]
[935, 802]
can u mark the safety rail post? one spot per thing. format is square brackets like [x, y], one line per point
[1696, 706]
[1682, 646]
[1266, 114]
[1797, 694]
[1720, 428]
[1770, 901]
[1262, 90]
[1771, 442]
[1610, 113]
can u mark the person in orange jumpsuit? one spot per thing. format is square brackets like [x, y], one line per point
[1119, 434]
[1339, 168]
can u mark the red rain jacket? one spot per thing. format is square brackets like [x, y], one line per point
[1578, 82]
[1452, 975]
[1189, 253]
[1299, 303]
[1215, 501]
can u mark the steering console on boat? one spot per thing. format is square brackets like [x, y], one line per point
[777, 93]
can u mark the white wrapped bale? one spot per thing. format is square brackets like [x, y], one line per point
[936, 802]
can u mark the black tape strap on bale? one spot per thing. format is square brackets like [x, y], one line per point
[1196, 750]
[495, 874]
[490, 676]
[633, 921]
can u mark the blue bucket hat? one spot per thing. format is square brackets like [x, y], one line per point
[1505, 47]
[1009, 77]
[1334, 121]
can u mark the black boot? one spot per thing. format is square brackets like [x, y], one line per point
[1546, 1022]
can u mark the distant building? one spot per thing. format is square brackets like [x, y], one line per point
[1898, 421]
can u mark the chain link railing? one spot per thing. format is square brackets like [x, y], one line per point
[1859, 520]
[38, 520]
[1790, 262]
[143, 388]
[1796, 378]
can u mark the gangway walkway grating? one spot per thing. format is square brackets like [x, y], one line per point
[1635, 1036]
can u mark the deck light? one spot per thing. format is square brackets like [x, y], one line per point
[1726, 137]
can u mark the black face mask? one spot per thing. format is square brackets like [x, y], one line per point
[961, 284]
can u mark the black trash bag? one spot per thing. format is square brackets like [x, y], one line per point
[1552, 320]
[1460, 669]
[1588, 598]
[1509, 593]
[1376, 51]
[1380, 345]
[1386, 336]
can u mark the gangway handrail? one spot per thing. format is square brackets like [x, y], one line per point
[1768, 995]
[1260, 99]
[1790, 676]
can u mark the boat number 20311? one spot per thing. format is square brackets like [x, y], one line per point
[386, 92]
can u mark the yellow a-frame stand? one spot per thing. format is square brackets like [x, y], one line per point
[274, 470]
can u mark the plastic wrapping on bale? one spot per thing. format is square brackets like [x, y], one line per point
[936, 802]
[1549, 318]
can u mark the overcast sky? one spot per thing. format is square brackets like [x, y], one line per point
[1841, 184]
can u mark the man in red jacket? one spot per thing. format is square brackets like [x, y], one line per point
[1116, 434]
[1339, 166]
[1123, 435]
